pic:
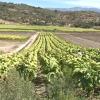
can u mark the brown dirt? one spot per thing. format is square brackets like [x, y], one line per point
[84, 39]
[19, 33]
[4, 43]
[7, 46]
[90, 36]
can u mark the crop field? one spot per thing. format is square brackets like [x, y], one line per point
[49, 50]
[90, 39]
[51, 69]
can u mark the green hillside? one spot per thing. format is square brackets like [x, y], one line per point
[21, 13]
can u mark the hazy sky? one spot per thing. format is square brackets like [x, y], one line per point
[59, 3]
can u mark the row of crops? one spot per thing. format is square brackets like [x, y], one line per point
[56, 59]
[13, 37]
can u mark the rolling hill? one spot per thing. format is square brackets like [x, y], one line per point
[25, 14]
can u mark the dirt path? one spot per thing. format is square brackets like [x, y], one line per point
[27, 44]
[80, 41]
[11, 47]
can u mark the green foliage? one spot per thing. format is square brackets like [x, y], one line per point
[30, 28]
[13, 37]
[56, 59]
[16, 88]
[50, 66]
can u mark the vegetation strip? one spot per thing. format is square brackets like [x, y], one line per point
[50, 60]
[13, 37]
[32, 28]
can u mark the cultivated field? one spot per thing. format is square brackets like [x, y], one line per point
[88, 39]
[49, 68]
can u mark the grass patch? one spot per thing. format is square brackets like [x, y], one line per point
[14, 37]
[31, 28]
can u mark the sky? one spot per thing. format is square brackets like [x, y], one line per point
[58, 3]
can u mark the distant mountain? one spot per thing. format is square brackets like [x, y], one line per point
[77, 9]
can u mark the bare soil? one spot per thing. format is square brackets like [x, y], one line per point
[7, 46]
[91, 40]
[90, 36]
[15, 32]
